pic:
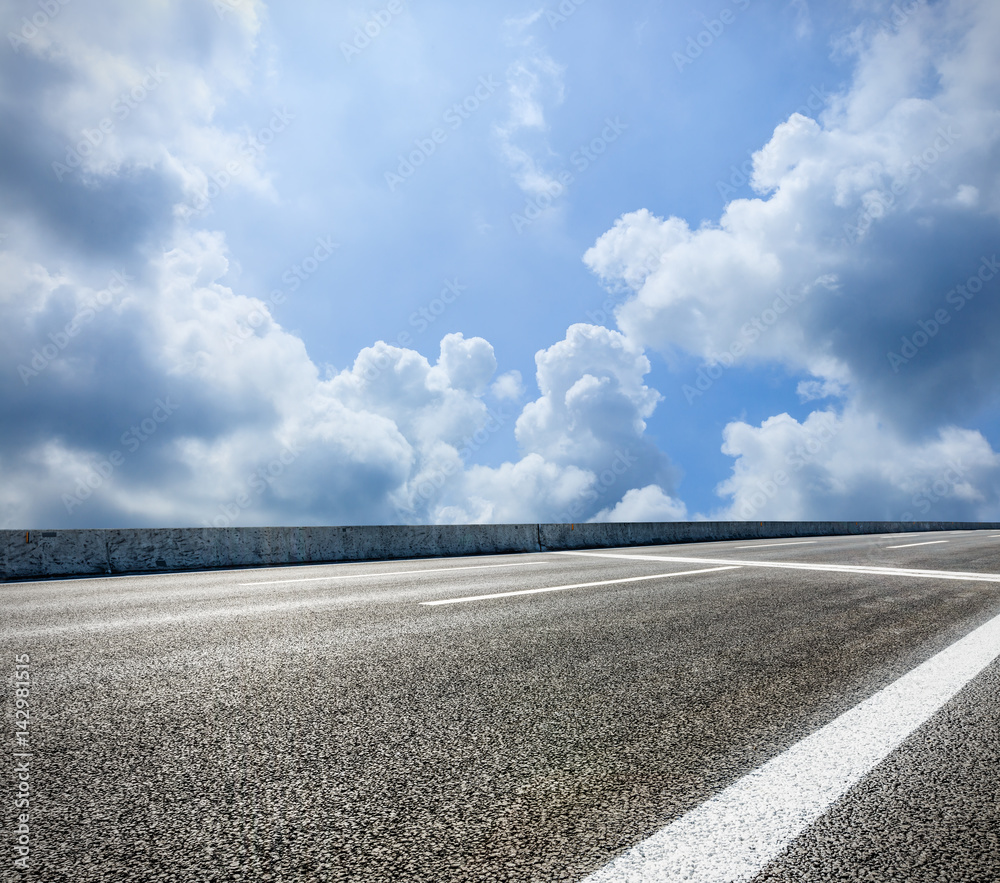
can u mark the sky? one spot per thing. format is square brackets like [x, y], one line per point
[411, 263]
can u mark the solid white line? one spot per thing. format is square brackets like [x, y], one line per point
[792, 565]
[769, 545]
[911, 545]
[313, 579]
[731, 837]
[603, 582]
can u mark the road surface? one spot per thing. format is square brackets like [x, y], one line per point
[770, 711]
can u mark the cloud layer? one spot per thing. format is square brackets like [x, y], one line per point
[867, 262]
[142, 384]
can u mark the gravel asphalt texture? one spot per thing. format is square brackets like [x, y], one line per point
[187, 727]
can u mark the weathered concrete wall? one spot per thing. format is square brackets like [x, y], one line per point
[28, 554]
[39, 554]
[583, 536]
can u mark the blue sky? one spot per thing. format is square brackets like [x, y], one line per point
[433, 262]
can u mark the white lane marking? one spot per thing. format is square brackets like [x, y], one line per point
[911, 545]
[186, 617]
[769, 545]
[603, 582]
[732, 836]
[792, 565]
[313, 579]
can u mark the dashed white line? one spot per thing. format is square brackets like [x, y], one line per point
[911, 545]
[769, 545]
[313, 579]
[603, 582]
[731, 837]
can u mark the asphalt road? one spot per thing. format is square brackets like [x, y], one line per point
[328, 723]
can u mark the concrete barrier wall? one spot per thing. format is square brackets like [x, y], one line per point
[43, 553]
[594, 536]
[28, 554]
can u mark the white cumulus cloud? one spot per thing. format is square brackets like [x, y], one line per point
[865, 262]
[847, 466]
[649, 503]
